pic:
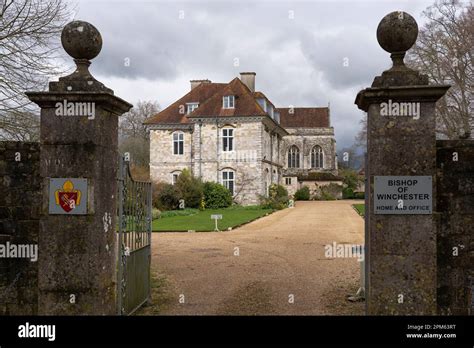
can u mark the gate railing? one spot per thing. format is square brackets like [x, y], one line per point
[134, 240]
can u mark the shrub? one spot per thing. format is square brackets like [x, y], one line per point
[350, 178]
[277, 198]
[216, 196]
[202, 204]
[328, 192]
[165, 196]
[359, 195]
[326, 196]
[190, 189]
[331, 192]
[277, 191]
[347, 192]
[179, 212]
[156, 189]
[155, 214]
[302, 194]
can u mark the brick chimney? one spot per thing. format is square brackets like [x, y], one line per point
[195, 83]
[248, 78]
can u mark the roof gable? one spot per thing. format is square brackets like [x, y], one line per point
[245, 103]
[174, 114]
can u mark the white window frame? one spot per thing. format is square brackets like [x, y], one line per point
[228, 102]
[180, 138]
[173, 174]
[230, 138]
[287, 181]
[226, 180]
[190, 107]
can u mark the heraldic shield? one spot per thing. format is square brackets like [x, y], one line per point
[66, 197]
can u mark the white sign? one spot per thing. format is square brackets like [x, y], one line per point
[403, 195]
[216, 217]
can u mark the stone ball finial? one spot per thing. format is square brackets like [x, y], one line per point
[81, 40]
[397, 32]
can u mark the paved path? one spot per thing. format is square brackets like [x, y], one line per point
[281, 257]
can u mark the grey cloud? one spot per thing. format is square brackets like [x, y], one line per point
[346, 58]
[298, 61]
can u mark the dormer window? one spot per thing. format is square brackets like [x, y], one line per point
[263, 103]
[228, 102]
[190, 107]
[277, 116]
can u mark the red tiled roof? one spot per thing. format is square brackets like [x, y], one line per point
[172, 115]
[245, 103]
[304, 117]
[209, 96]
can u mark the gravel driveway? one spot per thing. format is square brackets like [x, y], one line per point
[275, 265]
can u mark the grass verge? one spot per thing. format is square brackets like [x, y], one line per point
[360, 208]
[201, 221]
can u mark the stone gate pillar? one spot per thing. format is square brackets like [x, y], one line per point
[79, 135]
[401, 156]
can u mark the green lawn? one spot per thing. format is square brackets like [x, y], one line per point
[360, 209]
[201, 220]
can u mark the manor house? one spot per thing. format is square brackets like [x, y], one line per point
[232, 134]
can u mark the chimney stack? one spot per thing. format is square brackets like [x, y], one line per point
[248, 78]
[195, 83]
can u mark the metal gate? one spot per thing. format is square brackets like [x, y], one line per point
[134, 240]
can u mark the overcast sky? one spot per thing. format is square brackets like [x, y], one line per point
[299, 49]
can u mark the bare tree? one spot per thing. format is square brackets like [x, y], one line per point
[20, 125]
[29, 32]
[361, 137]
[444, 51]
[134, 134]
[131, 123]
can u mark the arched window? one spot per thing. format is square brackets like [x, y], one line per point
[178, 143]
[317, 157]
[294, 157]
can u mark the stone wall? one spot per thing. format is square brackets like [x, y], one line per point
[292, 187]
[162, 160]
[271, 145]
[455, 238]
[305, 139]
[316, 188]
[20, 202]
